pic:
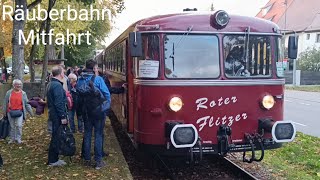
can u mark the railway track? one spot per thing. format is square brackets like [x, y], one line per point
[214, 166]
[242, 173]
[143, 166]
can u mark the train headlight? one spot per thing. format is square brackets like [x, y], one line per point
[219, 19]
[283, 131]
[222, 18]
[175, 104]
[184, 135]
[268, 101]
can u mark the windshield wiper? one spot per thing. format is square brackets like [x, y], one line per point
[246, 41]
[180, 40]
[172, 56]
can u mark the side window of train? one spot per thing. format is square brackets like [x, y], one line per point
[281, 65]
[247, 57]
[147, 66]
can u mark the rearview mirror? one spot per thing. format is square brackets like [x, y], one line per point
[293, 47]
[135, 44]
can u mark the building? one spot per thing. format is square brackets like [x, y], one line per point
[300, 16]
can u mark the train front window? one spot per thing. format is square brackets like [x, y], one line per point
[147, 66]
[247, 56]
[191, 56]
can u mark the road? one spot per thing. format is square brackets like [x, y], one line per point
[303, 108]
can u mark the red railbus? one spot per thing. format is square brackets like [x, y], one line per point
[200, 84]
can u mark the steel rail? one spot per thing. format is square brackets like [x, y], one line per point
[243, 173]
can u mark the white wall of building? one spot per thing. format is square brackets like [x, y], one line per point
[304, 43]
[308, 40]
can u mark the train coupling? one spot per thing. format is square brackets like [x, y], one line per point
[223, 135]
[254, 140]
[282, 131]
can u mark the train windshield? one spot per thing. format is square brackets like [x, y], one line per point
[247, 56]
[191, 56]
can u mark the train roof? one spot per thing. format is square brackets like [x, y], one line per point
[200, 22]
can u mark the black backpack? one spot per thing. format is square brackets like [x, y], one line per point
[4, 127]
[93, 101]
[1, 161]
[67, 143]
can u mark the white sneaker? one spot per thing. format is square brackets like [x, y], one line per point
[11, 141]
[58, 163]
[62, 162]
[19, 141]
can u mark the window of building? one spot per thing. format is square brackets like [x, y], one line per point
[318, 38]
[308, 36]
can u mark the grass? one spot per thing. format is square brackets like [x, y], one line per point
[304, 88]
[28, 160]
[299, 159]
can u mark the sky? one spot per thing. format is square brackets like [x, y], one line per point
[139, 9]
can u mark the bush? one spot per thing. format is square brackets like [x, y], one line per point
[309, 60]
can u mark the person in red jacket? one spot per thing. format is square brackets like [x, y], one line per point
[16, 107]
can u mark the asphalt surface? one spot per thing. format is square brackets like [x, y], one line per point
[303, 108]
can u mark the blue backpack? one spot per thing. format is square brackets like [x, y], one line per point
[92, 99]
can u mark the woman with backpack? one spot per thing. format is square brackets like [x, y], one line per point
[16, 106]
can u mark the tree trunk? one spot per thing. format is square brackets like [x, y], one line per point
[47, 50]
[51, 52]
[33, 52]
[18, 49]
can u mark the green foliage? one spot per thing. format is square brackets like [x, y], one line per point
[78, 54]
[299, 159]
[309, 60]
[304, 88]
[99, 29]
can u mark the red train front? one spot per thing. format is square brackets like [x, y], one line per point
[201, 83]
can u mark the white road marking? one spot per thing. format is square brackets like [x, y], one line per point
[305, 104]
[287, 100]
[299, 124]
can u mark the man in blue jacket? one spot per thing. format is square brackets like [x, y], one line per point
[56, 99]
[93, 120]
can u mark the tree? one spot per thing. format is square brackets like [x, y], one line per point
[75, 53]
[46, 56]
[18, 48]
[5, 31]
[309, 60]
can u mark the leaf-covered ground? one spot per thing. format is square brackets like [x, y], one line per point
[28, 160]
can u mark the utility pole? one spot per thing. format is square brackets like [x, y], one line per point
[293, 60]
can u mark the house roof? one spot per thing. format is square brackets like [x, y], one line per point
[315, 25]
[273, 10]
[302, 15]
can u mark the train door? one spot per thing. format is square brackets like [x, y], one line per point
[129, 106]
